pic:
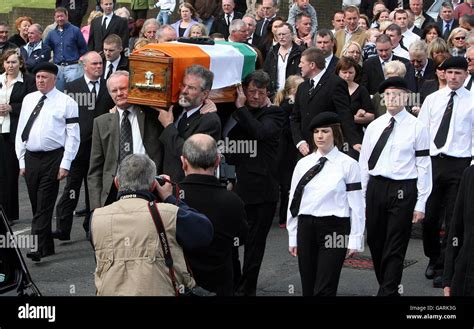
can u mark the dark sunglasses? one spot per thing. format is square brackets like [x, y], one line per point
[459, 38]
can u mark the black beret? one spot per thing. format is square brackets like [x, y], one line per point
[46, 66]
[324, 119]
[455, 62]
[393, 82]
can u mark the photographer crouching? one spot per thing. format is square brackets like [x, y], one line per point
[138, 243]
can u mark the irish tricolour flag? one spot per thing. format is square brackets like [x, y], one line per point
[229, 61]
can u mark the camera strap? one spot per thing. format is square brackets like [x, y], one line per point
[155, 214]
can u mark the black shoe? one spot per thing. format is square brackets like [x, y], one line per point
[34, 255]
[60, 235]
[438, 282]
[81, 212]
[430, 273]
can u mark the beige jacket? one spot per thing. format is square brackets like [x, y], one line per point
[129, 256]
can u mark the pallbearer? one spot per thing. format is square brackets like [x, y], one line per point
[326, 213]
[396, 181]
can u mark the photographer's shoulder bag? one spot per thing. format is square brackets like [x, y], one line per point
[196, 291]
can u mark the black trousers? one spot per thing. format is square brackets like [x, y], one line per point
[259, 218]
[70, 197]
[139, 14]
[389, 215]
[9, 198]
[447, 174]
[322, 249]
[42, 182]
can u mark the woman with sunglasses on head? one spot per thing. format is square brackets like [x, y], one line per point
[326, 216]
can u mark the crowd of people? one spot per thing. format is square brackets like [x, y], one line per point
[363, 126]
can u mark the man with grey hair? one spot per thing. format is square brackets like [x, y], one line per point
[222, 22]
[447, 22]
[212, 265]
[238, 31]
[186, 119]
[127, 229]
[4, 43]
[35, 51]
[165, 33]
[252, 38]
[128, 129]
[420, 68]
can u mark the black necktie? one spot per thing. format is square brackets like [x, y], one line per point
[126, 139]
[418, 77]
[311, 83]
[264, 26]
[469, 84]
[446, 31]
[109, 73]
[26, 132]
[182, 123]
[94, 90]
[307, 177]
[374, 157]
[442, 134]
[228, 19]
[104, 24]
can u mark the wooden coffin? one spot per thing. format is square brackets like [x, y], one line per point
[157, 70]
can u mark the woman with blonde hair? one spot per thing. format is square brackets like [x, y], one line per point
[457, 42]
[436, 47]
[287, 152]
[198, 31]
[85, 30]
[188, 19]
[353, 50]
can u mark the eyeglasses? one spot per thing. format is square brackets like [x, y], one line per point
[459, 38]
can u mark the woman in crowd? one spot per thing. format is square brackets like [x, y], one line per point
[149, 28]
[430, 32]
[198, 31]
[270, 38]
[353, 50]
[15, 84]
[381, 16]
[287, 152]
[361, 106]
[326, 214]
[188, 19]
[457, 42]
[21, 24]
[87, 28]
[436, 47]
[364, 22]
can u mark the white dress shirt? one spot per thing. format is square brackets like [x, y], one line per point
[114, 64]
[459, 141]
[328, 60]
[109, 18]
[50, 130]
[326, 194]
[316, 81]
[398, 160]
[138, 147]
[400, 52]
[5, 93]
[281, 69]
[90, 85]
[409, 37]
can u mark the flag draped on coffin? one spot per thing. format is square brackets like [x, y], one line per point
[230, 62]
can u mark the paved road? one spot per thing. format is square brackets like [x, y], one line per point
[71, 271]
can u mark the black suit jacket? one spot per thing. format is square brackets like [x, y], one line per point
[220, 24]
[256, 174]
[173, 141]
[19, 91]
[446, 34]
[123, 65]
[428, 20]
[332, 64]
[372, 72]
[117, 25]
[212, 265]
[331, 94]
[411, 79]
[90, 105]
